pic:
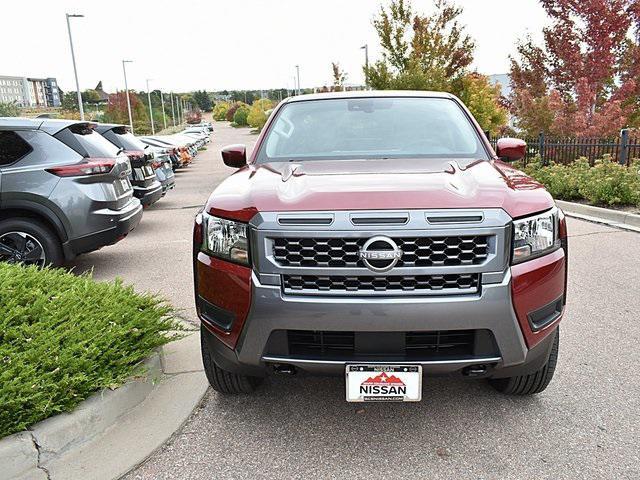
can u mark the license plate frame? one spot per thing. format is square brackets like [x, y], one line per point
[383, 383]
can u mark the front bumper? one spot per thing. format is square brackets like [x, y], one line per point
[121, 221]
[272, 310]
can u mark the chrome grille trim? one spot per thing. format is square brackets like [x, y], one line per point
[492, 259]
[344, 252]
[450, 284]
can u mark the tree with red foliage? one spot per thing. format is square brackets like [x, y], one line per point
[585, 81]
[117, 112]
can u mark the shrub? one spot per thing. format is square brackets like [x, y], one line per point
[241, 115]
[220, 111]
[64, 337]
[609, 183]
[9, 110]
[606, 183]
[258, 113]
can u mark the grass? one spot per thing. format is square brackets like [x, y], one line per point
[64, 337]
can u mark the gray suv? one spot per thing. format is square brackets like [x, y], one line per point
[64, 190]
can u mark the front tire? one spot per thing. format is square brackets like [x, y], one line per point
[29, 242]
[534, 382]
[222, 381]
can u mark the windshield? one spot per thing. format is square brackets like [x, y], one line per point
[370, 128]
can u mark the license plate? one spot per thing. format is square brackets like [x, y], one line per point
[124, 183]
[148, 169]
[138, 173]
[384, 383]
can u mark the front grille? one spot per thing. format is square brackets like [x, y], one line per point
[449, 283]
[429, 345]
[417, 251]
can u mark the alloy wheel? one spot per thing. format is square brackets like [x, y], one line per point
[21, 247]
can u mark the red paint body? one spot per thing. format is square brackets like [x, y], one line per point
[228, 286]
[378, 185]
[511, 148]
[536, 283]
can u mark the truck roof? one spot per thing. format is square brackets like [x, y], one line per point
[370, 94]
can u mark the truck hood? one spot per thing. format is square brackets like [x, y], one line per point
[377, 185]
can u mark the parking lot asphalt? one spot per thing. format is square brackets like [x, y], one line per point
[585, 425]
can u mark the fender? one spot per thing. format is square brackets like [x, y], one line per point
[38, 209]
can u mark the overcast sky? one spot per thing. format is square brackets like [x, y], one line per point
[227, 44]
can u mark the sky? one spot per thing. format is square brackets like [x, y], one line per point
[228, 44]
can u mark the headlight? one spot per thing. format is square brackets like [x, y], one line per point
[226, 239]
[535, 236]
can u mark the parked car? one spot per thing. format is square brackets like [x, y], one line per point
[163, 167]
[202, 133]
[146, 186]
[64, 190]
[378, 236]
[180, 155]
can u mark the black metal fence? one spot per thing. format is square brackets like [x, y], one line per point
[623, 148]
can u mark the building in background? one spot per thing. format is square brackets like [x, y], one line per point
[30, 92]
[14, 90]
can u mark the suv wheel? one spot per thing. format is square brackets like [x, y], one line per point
[533, 383]
[28, 241]
[221, 380]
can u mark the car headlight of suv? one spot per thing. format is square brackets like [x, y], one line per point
[535, 236]
[225, 239]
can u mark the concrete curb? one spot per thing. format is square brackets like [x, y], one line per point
[607, 216]
[114, 430]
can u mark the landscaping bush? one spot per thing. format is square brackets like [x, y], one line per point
[609, 183]
[240, 116]
[64, 337]
[220, 111]
[606, 183]
[258, 113]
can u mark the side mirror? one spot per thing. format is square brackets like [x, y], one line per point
[511, 149]
[234, 156]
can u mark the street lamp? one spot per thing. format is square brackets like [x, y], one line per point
[365, 47]
[298, 74]
[73, 58]
[164, 118]
[153, 127]
[173, 112]
[126, 87]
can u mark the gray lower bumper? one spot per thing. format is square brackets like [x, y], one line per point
[272, 310]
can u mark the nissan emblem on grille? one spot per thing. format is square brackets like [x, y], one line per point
[380, 254]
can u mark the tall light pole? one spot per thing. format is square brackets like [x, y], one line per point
[173, 112]
[75, 69]
[153, 127]
[126, 87]
[298, 74]
[366, 64]
[164, 118]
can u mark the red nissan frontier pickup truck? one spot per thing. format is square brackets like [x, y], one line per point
[378, 236]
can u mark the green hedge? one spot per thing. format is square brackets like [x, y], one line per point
[64, 337]
[606, 183]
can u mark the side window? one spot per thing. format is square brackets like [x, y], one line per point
[12, 148]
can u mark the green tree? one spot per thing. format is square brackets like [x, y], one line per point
[241, 115]
[220, 111]
[70, 101]
[9, 110]
[90, 96]
[420, 52]
[432, 52]
[258, 113]
[203, 100]
[483, 99]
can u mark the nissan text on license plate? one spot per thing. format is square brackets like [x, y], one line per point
[384, 383]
